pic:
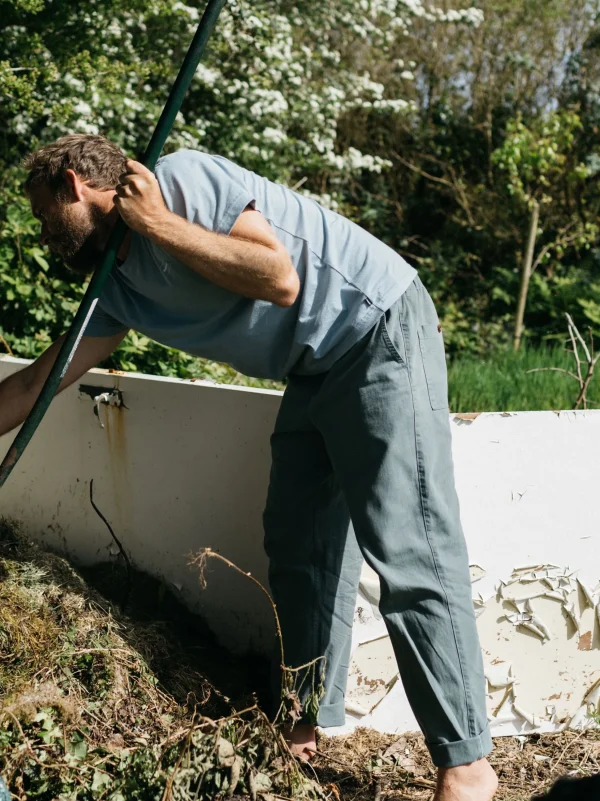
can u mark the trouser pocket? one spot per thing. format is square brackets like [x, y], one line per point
[431, 343]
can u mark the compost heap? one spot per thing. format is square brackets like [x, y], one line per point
[99, 703]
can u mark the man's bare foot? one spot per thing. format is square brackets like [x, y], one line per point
[302, 740]
[474, 782]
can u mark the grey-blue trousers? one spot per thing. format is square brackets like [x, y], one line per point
[362, 467]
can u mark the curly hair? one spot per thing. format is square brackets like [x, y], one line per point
[95, 159]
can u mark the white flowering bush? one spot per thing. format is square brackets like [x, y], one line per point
[270, 92]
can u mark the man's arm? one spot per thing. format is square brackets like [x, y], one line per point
[250, 261]
[19, 392]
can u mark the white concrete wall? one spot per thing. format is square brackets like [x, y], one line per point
[186, 466]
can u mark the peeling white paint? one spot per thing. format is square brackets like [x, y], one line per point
[535, 573]
[531, 687]
[477, 573]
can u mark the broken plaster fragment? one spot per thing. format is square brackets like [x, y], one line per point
[356, 709]
[530, 622]
[590, 597]
[499, 675]
[554, 595]
[479, 605]
[571, 613]
[535, 573]
[585, 717]
[536, 620]
[593, 695]
[391, 683]
[477, 572]
[528, 568]
[532, 719]
[466, 419]
[535, 629]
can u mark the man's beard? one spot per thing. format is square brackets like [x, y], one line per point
[80, 243]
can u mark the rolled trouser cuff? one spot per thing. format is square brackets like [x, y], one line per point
[463, 752]
[331, 715]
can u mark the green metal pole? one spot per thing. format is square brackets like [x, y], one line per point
[77, 329]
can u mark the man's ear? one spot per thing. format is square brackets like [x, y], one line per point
[74, 185]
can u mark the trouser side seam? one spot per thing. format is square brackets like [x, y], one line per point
[427, 523]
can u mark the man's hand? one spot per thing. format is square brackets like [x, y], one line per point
[139, 199]
[19, 391]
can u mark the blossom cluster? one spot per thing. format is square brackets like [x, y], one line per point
[269, 93]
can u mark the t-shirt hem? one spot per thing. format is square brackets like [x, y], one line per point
[386, 299]
[368, 321]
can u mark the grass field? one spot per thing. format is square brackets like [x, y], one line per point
[496, 383]
[501, 382]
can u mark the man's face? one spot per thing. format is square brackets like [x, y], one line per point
[75, 230]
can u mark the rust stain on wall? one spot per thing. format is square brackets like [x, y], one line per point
[114, 423]
[116, 435]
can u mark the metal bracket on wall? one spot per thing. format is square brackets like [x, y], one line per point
[109, 396]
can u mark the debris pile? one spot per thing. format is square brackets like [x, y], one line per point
[142, 705]
[96, 703]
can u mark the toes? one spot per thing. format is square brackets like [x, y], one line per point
[302, 753]
[306, 755]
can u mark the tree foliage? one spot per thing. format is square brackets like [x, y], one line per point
[432, 127]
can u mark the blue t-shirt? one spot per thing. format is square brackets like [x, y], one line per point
[348, 278]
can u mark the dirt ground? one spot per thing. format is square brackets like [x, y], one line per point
[97, 701]
[367, 765]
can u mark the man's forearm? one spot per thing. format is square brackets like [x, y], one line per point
[246, 267]
[16, 401]
[19, 392]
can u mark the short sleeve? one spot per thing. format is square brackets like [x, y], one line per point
[102, 324]
[203, 189]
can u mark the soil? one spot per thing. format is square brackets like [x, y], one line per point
[368, 765]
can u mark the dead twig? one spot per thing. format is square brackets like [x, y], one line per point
[456, 185]
[555, 369]
[297, 185]
[119, 546]
[7, 346]
[330, 758]
[287, 693]
[167, 794]
[561, 240]
[590, 362]
[200, 560]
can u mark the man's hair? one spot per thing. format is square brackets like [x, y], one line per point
[95, 159]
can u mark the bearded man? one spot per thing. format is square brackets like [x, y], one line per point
[224, 264]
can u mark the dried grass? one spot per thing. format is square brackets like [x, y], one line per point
[95, 703]
[366, 764]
